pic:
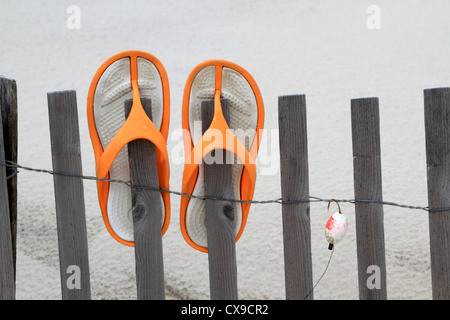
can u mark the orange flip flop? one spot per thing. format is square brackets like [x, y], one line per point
[129, 74]
[216, 79]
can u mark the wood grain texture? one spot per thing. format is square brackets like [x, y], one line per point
[69, 195]
[7, 283]
[8, 111]
[437, 135]
[368, 186]
[295, 186]
[220, 218]
[146, 211]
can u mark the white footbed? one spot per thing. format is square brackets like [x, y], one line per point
[113, 88]
[243, 122]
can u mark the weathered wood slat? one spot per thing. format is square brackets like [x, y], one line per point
[368, 186]
[220, 218]
[147, 208]
[8, 110]
[295, 186]
[69, 196]
[7, 283]
[437, 133]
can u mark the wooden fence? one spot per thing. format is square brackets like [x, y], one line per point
[70, 208]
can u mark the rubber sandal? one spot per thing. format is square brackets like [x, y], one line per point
[129, 74]
[216, 79]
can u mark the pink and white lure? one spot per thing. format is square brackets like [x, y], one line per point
[336, 227]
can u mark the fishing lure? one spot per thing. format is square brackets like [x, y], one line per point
[336, 227]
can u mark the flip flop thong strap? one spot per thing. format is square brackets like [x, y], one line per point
[130, 131]
[212, 141]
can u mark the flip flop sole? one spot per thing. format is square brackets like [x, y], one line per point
[243, 122]
[110, 92]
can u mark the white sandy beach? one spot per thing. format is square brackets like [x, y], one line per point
[323, 49]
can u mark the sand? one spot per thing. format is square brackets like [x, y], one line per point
[323, 49]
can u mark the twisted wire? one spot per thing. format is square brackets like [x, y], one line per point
[15, 167]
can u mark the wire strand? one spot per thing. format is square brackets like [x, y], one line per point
[15, 166]
[12, 175]
[325, 271]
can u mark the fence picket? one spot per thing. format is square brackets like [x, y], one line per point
[295, 186]
[219, 219]
[368, 186]
[146, 215]
[437, 132]
[69, 196]
[8, 111]
[7, 283]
